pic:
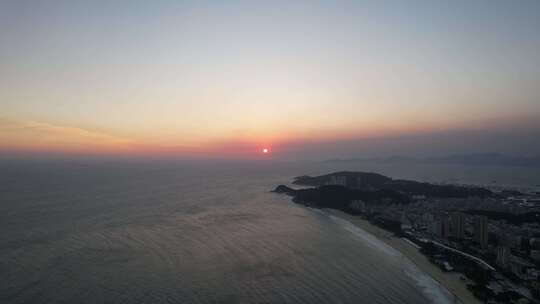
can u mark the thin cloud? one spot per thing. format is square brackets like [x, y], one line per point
[35, 135]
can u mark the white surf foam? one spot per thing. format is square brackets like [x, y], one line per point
[429, 286]
[368, 238]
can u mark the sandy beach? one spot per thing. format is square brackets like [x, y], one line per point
[451, 281]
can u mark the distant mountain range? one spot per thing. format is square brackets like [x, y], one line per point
[478, 159]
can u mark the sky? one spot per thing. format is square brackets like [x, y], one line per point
[305, 79]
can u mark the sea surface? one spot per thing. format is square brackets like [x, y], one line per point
[199, 232]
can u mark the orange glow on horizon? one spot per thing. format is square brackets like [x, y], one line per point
[38, 137]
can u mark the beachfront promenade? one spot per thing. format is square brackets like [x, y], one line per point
[472, 257]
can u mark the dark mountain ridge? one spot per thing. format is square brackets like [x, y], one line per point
[352, 191]
[369, 181]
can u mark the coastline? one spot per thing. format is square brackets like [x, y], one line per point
[449, 280]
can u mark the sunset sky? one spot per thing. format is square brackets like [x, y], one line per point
[306, 79]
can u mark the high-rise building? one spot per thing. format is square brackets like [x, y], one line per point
[446, 228]
[440, 228]
[458, 225]
[503, 256]
[481, 233]
[337, 180]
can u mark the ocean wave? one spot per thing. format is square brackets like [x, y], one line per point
[429, 286]
[368, 238]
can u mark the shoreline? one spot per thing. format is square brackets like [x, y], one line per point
[449, 280]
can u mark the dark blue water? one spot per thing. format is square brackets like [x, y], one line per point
[185, 232]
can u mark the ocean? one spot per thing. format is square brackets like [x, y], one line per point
[200, 232]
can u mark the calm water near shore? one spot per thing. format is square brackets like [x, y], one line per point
[199, 232]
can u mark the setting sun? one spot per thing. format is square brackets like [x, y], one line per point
[265, 150]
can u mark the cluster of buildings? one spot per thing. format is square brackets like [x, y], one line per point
[460, 229]
[455, 225]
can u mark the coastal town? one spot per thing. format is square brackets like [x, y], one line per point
[491, 240]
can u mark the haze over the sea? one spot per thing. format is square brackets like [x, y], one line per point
[304, 79]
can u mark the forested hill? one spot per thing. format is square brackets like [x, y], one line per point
[369, 181]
